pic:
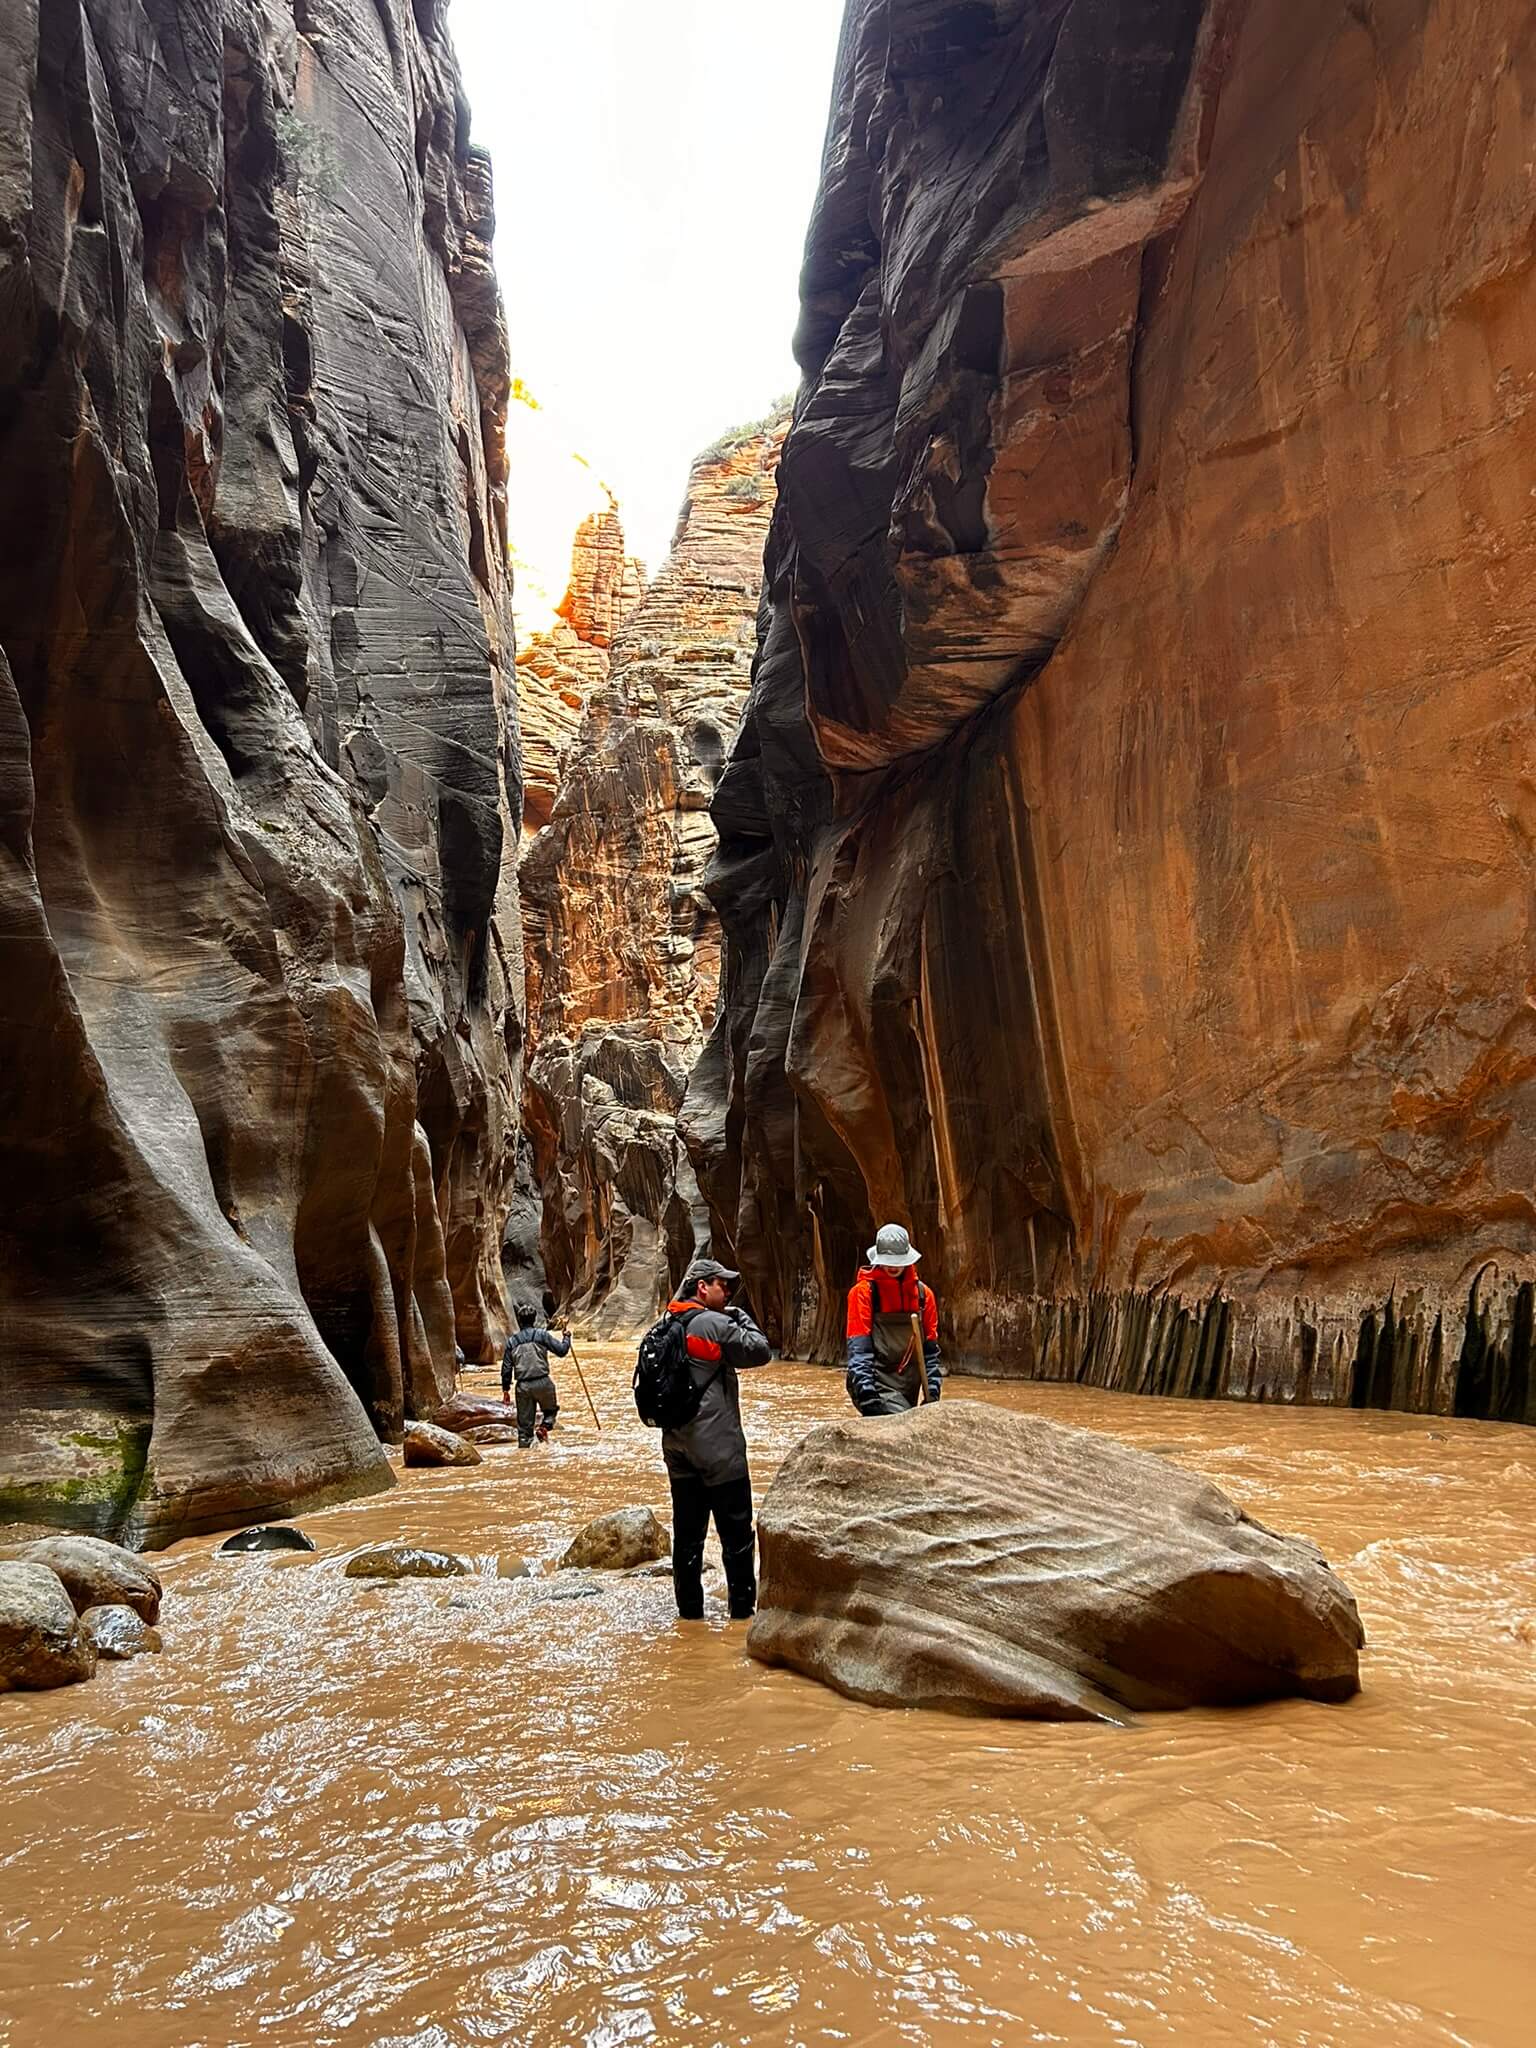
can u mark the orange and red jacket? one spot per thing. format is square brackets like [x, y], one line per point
[881, 1291]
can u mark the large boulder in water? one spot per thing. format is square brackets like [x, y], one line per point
[464, 1411]
[966, 1557]
[426, 1444]
[100, 1574]
[42, 1643]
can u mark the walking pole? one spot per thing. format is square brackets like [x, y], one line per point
[585, 1388]
[922, 1363]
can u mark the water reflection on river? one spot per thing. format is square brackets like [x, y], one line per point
[461, 1812]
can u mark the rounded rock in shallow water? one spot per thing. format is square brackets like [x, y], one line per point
[491, 1433]
[426, 1444]
[119, 1633]
[42, 1644]
[405, 1561]
[265, 1537]
[510, 1566]
[571, 1589]
[95, 1573]
[614, 1542]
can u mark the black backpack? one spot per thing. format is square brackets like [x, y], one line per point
[666, 1396]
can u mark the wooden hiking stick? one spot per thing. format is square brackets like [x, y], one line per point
[585, 1388]
[922, 1363]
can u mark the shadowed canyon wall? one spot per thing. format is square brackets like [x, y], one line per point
[623, 947]
[1126, 864]
[259, 1034]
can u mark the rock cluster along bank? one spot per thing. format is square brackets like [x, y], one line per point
[66, 1603]
[258, 764]
[1126, 864]
[622, 945]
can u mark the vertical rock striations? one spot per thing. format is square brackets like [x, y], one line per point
[1126, 864]
[258, 768]
[558, 669]
[623, 947]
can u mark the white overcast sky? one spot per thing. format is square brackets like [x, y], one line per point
[655, 165]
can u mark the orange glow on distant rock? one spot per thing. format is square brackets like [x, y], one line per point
[551, 489]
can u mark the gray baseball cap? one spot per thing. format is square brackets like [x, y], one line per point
[708, 1269]
[892, 1247]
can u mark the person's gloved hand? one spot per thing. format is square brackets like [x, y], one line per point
[739, 1317]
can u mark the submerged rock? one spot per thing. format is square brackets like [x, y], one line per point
[118, 1633]
[427, 1444]
[467, 1411]
[615, 1542]
[266, 1537]
[510, 1566]
[571, 1588]
[95, 1573]
[491, 1433]
[42, 1642]
[405, 1561]
[964, 1557]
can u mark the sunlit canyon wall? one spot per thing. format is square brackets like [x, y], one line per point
[623, 947]
[1126, 864]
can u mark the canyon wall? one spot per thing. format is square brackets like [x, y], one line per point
[559, 667]
[259, 1031]
[623, 948]
[1126, 865]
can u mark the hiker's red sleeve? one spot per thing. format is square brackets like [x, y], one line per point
[860, 1310]
[705, 1349]
[930, 1315]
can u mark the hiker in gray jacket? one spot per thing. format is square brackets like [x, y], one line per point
[526, 1360]
[707, 1458]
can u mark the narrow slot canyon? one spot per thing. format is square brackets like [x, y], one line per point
[768, 767]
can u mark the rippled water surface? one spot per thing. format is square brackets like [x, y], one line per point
[459, 1812]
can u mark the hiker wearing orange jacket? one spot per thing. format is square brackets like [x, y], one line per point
[885, 1373]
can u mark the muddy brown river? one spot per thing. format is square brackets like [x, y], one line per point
[444, 1813]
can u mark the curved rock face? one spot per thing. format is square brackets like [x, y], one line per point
[258, 1034]
[1126, 864]
[623, 947]
[962, 1557]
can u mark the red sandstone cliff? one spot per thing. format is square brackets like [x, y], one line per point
[559, 668]
[622, 945]
[1126, 864]
[258, 1031]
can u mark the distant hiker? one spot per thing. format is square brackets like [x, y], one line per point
[885, 1373]
[685, 1385]
[526, 1360]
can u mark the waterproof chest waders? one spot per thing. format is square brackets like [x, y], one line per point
[899, 1374]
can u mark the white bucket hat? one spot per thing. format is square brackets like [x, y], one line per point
[892, 1247]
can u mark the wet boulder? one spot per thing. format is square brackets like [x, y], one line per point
[613, 1543]
[510, 1566]
[965, 1557]
[265, 1537]
[118, 1633]
[405, 1561]
[463, 1411]
[491, 1433]
[426, 1444]
[42, 1642]
[100, 1574]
